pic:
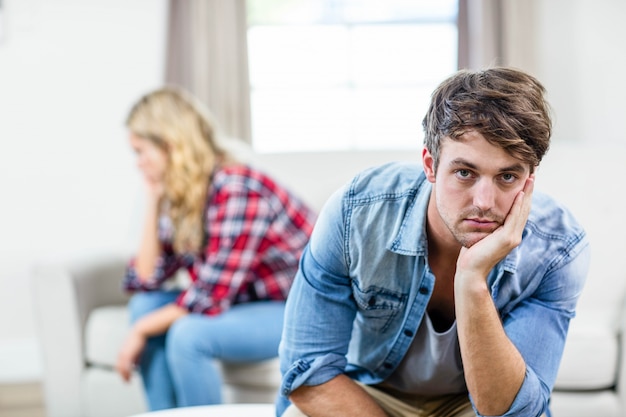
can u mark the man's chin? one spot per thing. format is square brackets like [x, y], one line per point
[470, 239]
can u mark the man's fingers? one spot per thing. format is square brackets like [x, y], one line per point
[521, 205]
[528, 197]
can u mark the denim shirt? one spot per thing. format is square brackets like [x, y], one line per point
[363, 285]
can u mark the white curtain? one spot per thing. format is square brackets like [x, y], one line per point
[207, 54]
[497, 32]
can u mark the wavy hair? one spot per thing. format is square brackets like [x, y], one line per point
[179, 124]
[505, 105]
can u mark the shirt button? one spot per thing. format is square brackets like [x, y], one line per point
[423, 290]
[408, 333]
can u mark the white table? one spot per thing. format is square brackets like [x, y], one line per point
[223, 410]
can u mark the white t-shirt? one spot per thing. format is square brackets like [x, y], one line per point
[432, 365]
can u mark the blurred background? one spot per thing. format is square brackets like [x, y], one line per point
[281, 75]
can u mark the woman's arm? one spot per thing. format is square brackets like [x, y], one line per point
[149, 246]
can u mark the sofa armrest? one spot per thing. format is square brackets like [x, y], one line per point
[621, 367]
[64, 295]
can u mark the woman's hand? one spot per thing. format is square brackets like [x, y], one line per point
[129, 354]
[155, 189]
[153, 324]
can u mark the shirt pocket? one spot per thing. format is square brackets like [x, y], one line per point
[376, 307]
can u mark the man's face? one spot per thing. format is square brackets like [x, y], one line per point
[473, 188]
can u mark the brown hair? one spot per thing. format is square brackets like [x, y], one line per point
[505, 105]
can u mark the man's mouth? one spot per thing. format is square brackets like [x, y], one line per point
[481, 223]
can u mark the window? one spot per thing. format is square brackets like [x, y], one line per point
[346, 74]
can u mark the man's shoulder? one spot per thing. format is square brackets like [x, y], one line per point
[389, 180]
[549, 219]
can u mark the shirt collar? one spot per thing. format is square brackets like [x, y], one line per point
[409, 238]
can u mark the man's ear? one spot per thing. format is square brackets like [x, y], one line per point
[429, 165]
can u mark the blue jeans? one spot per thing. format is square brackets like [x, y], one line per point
[178, 368]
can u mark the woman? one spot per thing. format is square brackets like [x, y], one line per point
[238, 234]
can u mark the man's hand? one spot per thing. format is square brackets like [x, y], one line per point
[486, 253]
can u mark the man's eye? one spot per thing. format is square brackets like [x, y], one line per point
[508, 177]
[463, 173]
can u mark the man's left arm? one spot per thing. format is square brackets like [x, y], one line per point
[536, 328]
[494, 368]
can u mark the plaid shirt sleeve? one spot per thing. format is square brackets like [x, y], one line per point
[246, 227]
[167, 264]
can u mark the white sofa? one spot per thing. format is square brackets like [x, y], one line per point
[82, 319]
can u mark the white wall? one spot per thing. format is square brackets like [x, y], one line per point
[581, 60]
[69, 70]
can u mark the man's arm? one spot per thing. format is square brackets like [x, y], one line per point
[340, 396]
[313, 359]
[494, 368]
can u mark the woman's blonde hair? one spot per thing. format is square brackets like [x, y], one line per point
[180, 125]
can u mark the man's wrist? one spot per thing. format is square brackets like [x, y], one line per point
[470, 282]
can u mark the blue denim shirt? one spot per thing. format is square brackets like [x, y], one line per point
[364, 283]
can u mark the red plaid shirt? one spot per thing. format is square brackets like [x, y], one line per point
[256, 231]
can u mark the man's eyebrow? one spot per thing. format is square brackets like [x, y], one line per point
[517, 167]
[462, 162]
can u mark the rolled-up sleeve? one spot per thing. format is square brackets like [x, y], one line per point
[166, 265]
[320, 299]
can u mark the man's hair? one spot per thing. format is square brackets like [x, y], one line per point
[505, 105]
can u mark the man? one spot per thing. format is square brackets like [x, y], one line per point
[437, 290]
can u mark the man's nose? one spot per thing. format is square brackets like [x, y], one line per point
[484, 194]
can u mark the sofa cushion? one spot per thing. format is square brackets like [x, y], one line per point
[254, 374]
[591, 356]
[105, 331]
